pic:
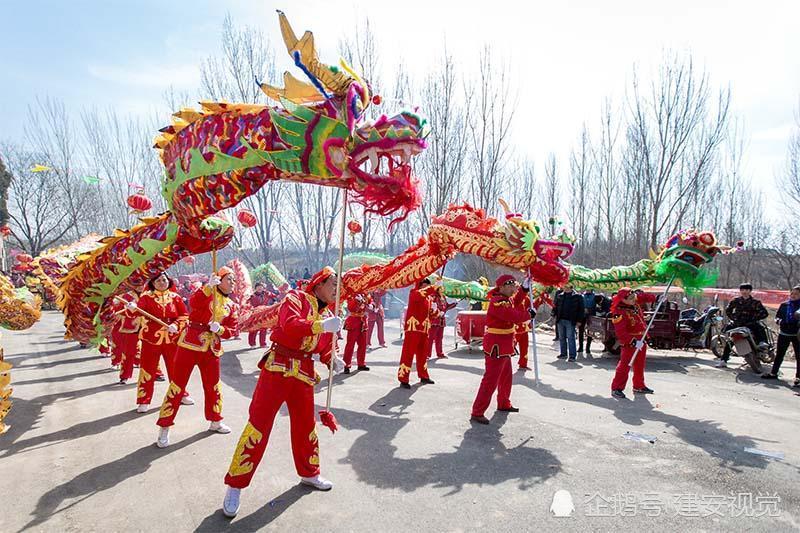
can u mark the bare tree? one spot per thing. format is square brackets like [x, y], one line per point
[580, 175]
[492, 105]
[789, 180]
[552, 188]
[678, 133]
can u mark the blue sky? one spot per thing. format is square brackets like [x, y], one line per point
[567, 56]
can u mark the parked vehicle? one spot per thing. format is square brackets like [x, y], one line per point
[698, 330]
[743, 345]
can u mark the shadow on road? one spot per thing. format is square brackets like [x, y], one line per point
[101, 478]
[481, 458]
[707, 435]
[216, 521]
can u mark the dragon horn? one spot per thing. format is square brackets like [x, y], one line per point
[503, 203]
[304, 54]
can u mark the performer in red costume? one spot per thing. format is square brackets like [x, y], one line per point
[260, 297]
[507, 308]
[306, 327]
[629, 326]
[522, 341]
[211, 319]
[356, 326]
[161, 301]
[416, 327]
[375, 316]
[438, 318]
[125, 336]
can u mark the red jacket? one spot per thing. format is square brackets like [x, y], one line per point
[356, 312]
[419, 309]
[257, 300]
[297, 335]
[127, 321]
[439, 307]
[196, 336]
[166, 305]
[629, 323]
[502, 318]
[375, 307]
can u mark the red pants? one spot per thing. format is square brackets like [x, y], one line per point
[125, 350]
[184, 363]
[496, 378]
[262, 338]
[272, 391]
[522, 341]
[150, 356]
[378, 320]
[414, 344]
[435, 336]
[356, 339]
[621, 376]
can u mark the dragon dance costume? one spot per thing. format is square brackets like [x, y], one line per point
[416, 327]
[629, 326]
[356, 326]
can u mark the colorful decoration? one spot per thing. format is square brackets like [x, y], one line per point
[139, 203]
[683, 255]
[5, 230]
[243, 288]
[246, 218]
[217, 156]
[19, 308]
[272, 274]
[514, 243]
[40, 168]
[24, 258]
[52, 265]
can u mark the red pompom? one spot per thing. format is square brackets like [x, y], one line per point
[376, 99]
[354, 227]
[328, 420]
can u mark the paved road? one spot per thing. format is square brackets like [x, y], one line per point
[78, 458]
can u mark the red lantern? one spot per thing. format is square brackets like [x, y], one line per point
[354, 228]
[139, 203]
[246, 218]
[24, 258]
[377, 99]
[5, 231]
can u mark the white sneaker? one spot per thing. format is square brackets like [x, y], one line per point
[219, 427]
[318, 482]
[143, 408]
[187, 400]
[721, 364]
[163, 438]
[230, 505]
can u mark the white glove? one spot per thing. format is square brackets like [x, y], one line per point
[332, 324]
[131, 306]
[338, 365]
[172, 328]
[214, 327]
[639, 345]
[213, 281]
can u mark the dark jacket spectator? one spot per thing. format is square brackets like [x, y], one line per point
[569, 306]
[786, 317]
[744, 311]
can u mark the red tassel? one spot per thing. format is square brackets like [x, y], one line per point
[328, 420]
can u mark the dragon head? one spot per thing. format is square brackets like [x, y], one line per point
[515, 243]
[324, 126]
[685, 254]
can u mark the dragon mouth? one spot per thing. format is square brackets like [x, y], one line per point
[549, 270]
[376, 164]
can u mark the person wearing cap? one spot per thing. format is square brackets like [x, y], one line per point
[356, 326]
[125, 335]
[212, 317]
[744, 311]
[305, 329]
[375, 316]
[629, 326]
[416, 327]
[507, 308]
[162, 302]
[260, 297]
[438, 317]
